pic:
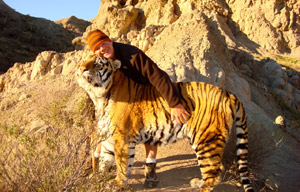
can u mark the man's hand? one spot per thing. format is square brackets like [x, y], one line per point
[179, 114]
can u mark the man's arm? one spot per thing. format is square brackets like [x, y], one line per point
[158, 78]
[162, 82]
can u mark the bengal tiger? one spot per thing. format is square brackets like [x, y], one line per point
[130, 113]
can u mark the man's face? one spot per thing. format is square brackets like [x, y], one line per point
[105, 49]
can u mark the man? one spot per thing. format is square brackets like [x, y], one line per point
[141, 69]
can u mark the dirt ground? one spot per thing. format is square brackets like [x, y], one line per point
[176, 166]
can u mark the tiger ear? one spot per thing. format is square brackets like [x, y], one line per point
[87, 63]
[117, 64]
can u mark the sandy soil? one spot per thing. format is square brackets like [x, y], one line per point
[176, 166]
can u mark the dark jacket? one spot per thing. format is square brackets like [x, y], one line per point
[141, 69]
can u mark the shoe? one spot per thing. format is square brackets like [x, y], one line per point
[151, 179]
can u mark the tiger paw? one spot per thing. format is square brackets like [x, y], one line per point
[114, 185]
[197, 183]
[118, 183]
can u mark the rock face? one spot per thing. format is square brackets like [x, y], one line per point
[275, 22]
[222, 42]
[265, 25]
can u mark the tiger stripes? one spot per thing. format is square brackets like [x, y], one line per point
[130, 113]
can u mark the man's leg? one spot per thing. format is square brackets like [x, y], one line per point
[151, 179]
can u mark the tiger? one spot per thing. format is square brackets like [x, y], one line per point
[130, 113]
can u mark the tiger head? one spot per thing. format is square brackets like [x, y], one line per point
[97, 72]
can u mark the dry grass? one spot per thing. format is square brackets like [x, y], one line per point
[288, 62]
[54, 160]
[285, 61]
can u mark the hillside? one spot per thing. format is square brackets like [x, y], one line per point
[23, 36]
[250, 48]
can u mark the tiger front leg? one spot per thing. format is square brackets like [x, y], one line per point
[121, 158]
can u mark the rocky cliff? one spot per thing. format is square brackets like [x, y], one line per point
[251, 48]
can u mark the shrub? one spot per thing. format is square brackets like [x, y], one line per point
[54, 160]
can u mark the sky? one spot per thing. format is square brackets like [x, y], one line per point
[56, 9]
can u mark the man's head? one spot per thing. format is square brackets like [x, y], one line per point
[100, 44]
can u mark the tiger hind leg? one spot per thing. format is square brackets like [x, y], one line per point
[209, 159]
